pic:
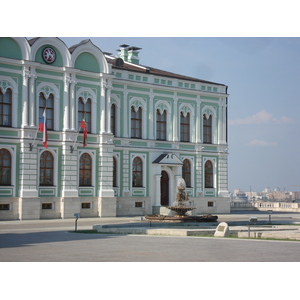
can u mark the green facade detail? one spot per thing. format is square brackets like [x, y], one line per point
[10, 48]
[87, 62]
[39, 56]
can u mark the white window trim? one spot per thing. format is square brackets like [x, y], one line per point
[192, 163]
[92, 153]
[186, 108]
[85, 94]
[214, 162]
[11, 84]
[115, 100]
[143, 158]
[207, 111]
[12, 150]
[48, 88]
[54, 152]
[117, 158]
[163, 106]
[136, 103]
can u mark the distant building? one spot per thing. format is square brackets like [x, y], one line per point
[146, 128]
[239, 196]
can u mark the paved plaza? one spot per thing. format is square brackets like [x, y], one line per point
[53, 241]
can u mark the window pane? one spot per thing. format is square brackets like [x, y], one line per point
[137, 172]
[85, 170]
[209, 174]
[46, 168]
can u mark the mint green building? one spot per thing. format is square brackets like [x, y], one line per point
[146, 128]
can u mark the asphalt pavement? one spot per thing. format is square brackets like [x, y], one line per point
[55, 241]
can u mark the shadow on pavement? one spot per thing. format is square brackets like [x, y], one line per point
[9, 240]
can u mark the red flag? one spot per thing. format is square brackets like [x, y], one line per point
[83, 126]
[43, 128]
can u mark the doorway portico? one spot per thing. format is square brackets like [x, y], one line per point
[167, 171]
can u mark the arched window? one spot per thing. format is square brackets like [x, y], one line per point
[113, 119]
[207, 129]
[47, 104]
[114, 172]
[209, 175]
[186, 173]
[184, 127]
[161, 125]
[85, 170]
[6, 108]
[136, 123]
[137, 172]
[46, 168]
[85, 112]
[5, 167]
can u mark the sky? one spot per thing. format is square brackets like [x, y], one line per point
[263, 79]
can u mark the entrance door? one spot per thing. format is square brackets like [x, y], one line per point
[164, 189]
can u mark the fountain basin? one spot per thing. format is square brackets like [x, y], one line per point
[179, 218]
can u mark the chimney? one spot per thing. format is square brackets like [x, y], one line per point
[133, 55]
[124, 52]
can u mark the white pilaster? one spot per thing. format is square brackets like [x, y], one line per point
[31, 101]
[25, 97]
[72, 112]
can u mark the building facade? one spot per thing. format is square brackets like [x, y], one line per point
[146, 128]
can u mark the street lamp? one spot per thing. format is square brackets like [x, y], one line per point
[270, 212]
[76, 216]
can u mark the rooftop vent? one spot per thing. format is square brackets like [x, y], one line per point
[129, 53]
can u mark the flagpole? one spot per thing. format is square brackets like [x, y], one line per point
[38, 128]
[75, 141]
[32, 144]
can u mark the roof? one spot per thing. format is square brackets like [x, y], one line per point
[154, 71]
[167, 159]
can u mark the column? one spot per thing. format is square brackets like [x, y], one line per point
[31, 101]
[175, 120]
[108, 108]
[125, 115]
[102, 105]
[25, 97]
[152, 115]
[72, 112]
[157, 190]
[198, 123]
[67, 80]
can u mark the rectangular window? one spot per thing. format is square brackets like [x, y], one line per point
[86, 205]
[185, 128]
[6, 108]
[161, 126]
[207, 130]
[4, 206]
[210, 203]
[138, 204]
[47, 205]
[136, 123]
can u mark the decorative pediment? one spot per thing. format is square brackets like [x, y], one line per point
[168, 159]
